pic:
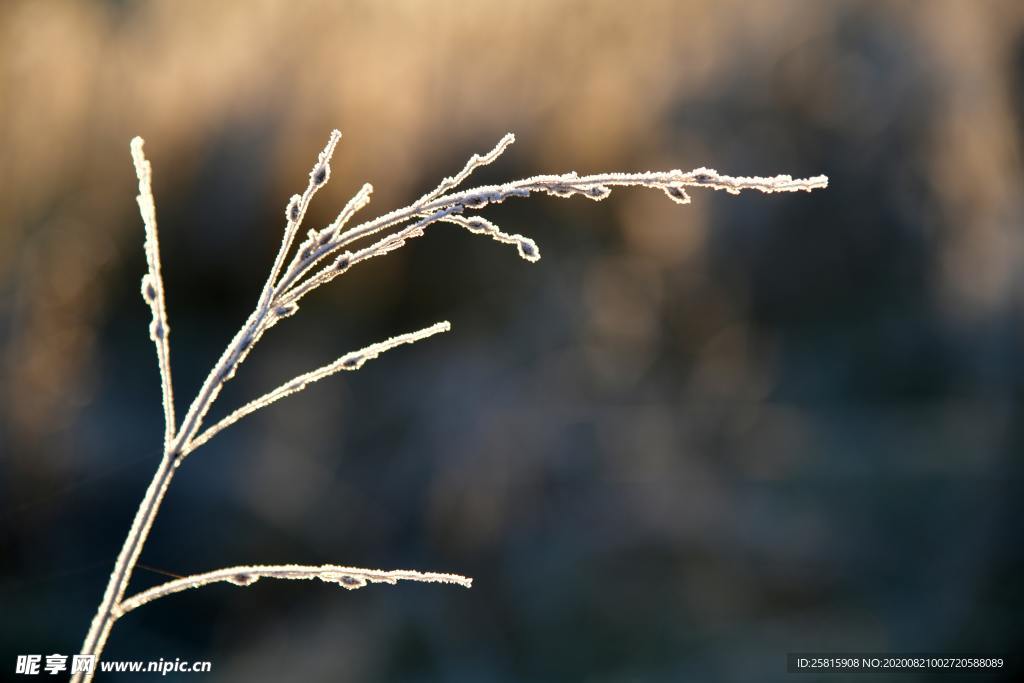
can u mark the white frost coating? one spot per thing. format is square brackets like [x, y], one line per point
[526, 247]
[308, 256]
[361, 199]
[153, 286]
[350, 361]
[677, 194]
[296, 209]
[347, 259]
[475, 162]
[349, 578]
[433, 207]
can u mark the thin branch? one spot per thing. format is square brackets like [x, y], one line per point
[349, 362]
[153, 286]
[478, 225]
[475, 162]
[103, 621]
[295, 211]
[349, 578]
[347, 259]
[262, 316]
[302, 263]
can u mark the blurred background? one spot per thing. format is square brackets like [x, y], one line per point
[686, 442]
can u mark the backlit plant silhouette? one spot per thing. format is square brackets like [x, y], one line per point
[321, 256]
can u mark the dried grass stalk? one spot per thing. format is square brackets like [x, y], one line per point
[320, 257]
[349, 578]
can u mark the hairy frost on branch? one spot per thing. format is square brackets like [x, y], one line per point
[323, 255]
[349, 578]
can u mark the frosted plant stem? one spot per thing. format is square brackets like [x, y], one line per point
[286, 285]
[350, 362]
[296, 211]
[153, 286]
[159, 332]
[349, 578]
[107, 612]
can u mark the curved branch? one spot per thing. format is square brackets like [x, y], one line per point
[349, 578]
[350, 361]
[475, 162]
[595, 187]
